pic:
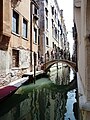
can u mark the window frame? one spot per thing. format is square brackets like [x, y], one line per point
[15, 58]
[46, 11]
[25, 28]
[15, 22]
[47, 41]
[35, 10]
[35, 35]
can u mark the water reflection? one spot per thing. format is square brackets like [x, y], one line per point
[41, 101]
[61, 74]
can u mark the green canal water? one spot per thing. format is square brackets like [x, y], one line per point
[48, 99]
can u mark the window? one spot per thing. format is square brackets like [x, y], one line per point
[55, 14]
[58, 23]
[35, 35]
[55, 32]
[24, 28]
[46, 23]
[15, 22]
[46, 1]
[39, 36]
[53, 44]
[52, 10]
[46, 10]
[35, 10]
[52, 23]
[15, 58]
[47, 43]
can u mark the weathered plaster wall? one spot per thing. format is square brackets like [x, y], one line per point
[17, 42]
[82, 20]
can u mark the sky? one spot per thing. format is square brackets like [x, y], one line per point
[67, 6]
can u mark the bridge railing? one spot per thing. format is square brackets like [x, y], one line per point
[44, 60]
[55, 57]
[47, 61]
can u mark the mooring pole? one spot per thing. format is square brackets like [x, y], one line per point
[34, 67]
[57, 70]
[45, 60]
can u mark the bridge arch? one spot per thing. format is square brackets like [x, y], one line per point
[48, 64]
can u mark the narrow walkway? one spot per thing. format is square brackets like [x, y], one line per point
[9, 89]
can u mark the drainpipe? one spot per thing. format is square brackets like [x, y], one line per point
[76, 56]
[31, 35]
[76, 44]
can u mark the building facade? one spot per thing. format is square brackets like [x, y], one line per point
[30, 30]
[16, 38]
[34, 34]
[82, 38]
[53, 33]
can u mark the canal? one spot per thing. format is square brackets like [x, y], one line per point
[52, 98]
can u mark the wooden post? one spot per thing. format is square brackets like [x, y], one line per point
[34, 67]
[57, 70]
[45, 60]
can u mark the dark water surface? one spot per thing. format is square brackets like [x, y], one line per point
[48, 99]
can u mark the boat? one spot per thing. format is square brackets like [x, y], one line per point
[11, 88]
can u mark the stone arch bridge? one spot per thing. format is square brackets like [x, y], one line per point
[48, 64]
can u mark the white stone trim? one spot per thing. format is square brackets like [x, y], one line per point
[83, 103]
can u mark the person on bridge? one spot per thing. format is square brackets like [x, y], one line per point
[61, 53]
[64, 54]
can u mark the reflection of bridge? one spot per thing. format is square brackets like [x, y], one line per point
[48, 64]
